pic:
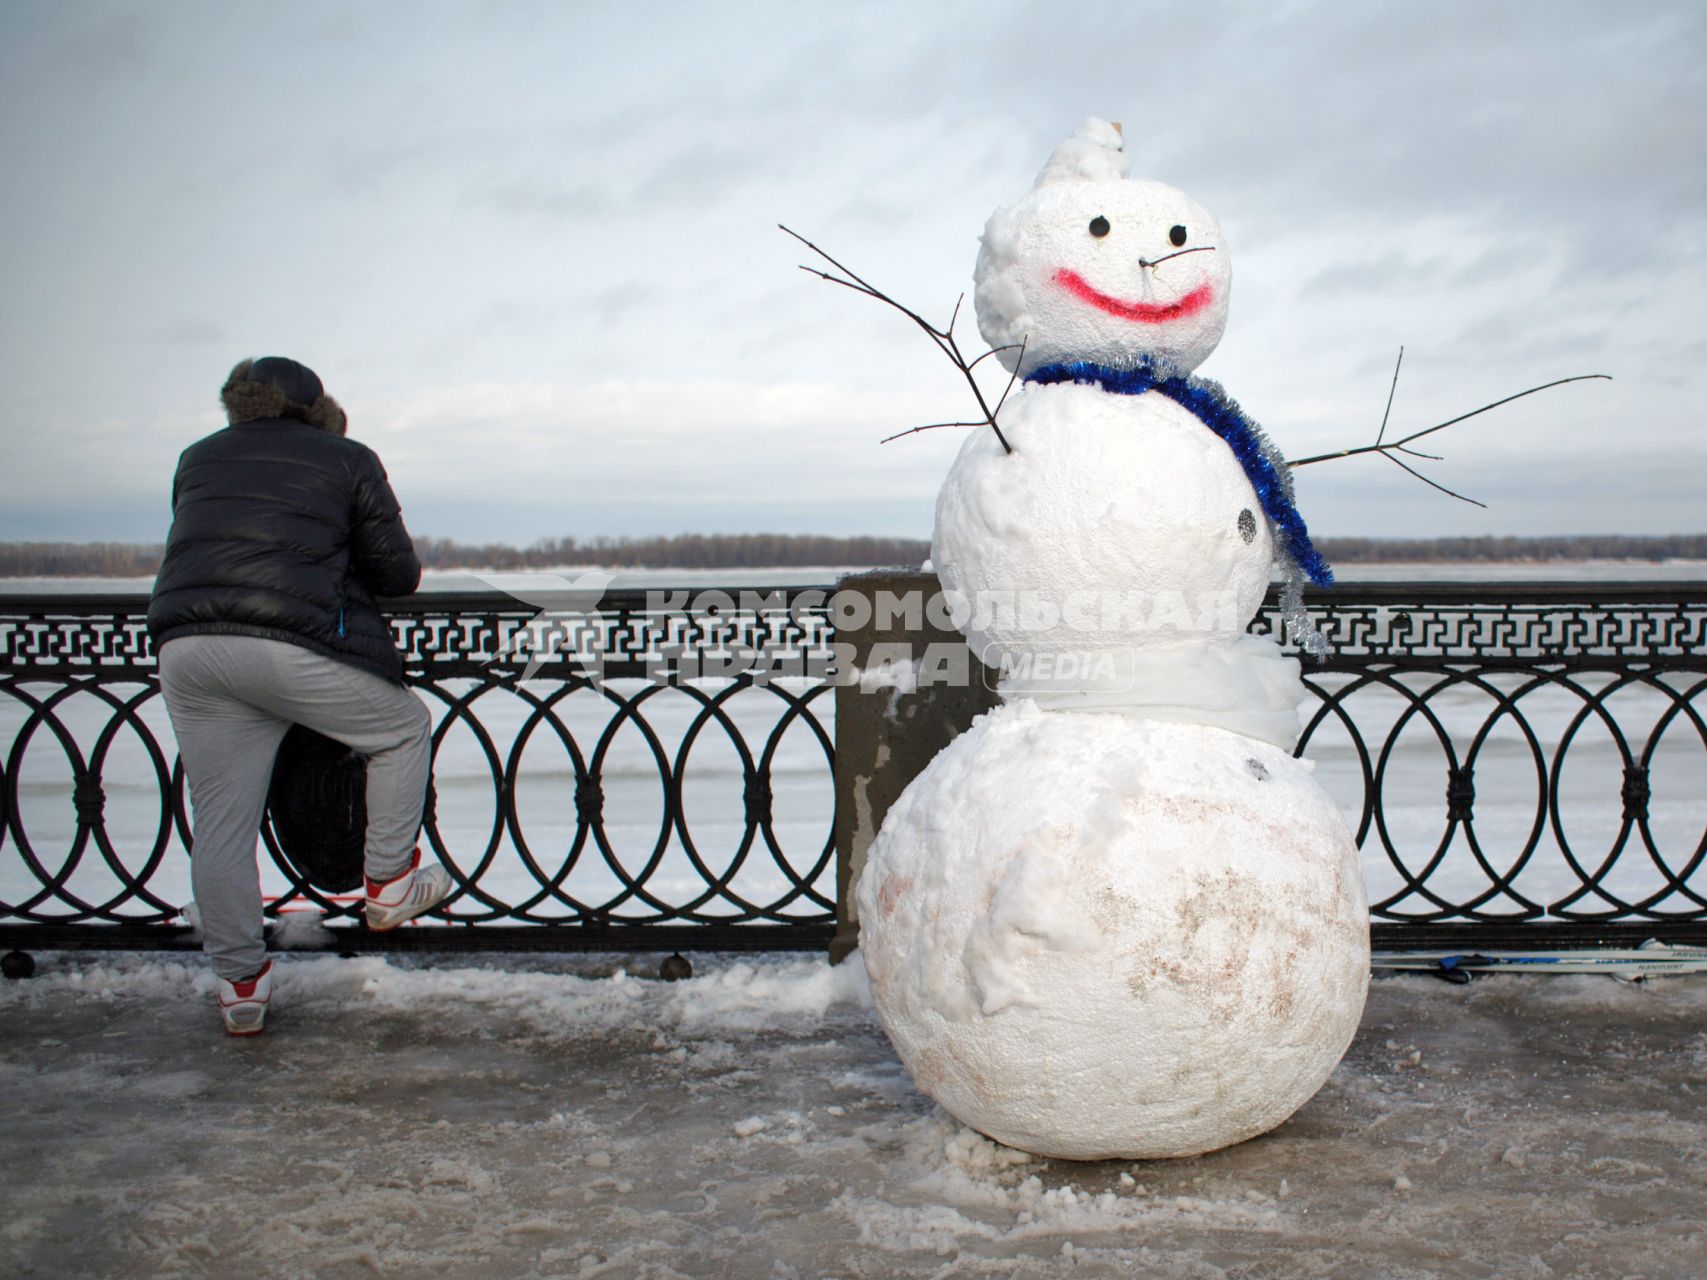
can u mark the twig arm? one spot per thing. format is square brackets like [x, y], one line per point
[944, 338]
[1391, 449]
[1397, 461]
[1439, 426]
[929, 426]
[1392, 387]
[1381, 447]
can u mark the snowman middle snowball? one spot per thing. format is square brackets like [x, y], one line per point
[1115, 918]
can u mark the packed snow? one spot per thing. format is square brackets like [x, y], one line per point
[1096, 936]
[575, 1117]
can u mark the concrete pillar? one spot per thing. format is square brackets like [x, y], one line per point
[913, 689]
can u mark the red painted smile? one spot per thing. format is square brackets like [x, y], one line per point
[1143, 312]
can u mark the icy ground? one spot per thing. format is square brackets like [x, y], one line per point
[559, 1117]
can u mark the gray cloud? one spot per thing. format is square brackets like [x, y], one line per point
[1364, 275]
[192, 331]
[423, 199]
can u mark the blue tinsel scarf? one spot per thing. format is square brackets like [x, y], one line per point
[1215, 409]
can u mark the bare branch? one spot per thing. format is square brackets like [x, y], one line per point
[1581, 377]
[846, 284]
[977, 391]
[1380, 447]
[826, 257]
[1432, 484]
[944, 338]
[929, 426]
[868, 287]
[1394, 386]
[1011, 346]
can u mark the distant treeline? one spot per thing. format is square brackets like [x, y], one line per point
[78, 559]
[1588, 546]
[683, 551]
[783, 551]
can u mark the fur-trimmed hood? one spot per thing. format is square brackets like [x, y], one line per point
[274, 387]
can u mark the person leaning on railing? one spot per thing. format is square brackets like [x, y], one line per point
[263, 616]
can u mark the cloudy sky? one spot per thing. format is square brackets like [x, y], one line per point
[532, 248]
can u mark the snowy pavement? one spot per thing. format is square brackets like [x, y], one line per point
[494, 1118]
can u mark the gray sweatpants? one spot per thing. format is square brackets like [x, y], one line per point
[231, 699]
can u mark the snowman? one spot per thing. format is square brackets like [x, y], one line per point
[1116, 918]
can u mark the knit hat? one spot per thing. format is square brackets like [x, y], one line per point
[276, 387]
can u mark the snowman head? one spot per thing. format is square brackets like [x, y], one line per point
[1092, 265]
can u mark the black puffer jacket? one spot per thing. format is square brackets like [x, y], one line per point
[283, 530]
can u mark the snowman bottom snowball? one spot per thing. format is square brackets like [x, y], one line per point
[1097, 937]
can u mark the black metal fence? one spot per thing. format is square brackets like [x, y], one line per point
[617, 770]
[658, 772]
[1520, 762]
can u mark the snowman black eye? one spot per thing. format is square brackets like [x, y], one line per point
[1099, 226]
[1177, 235]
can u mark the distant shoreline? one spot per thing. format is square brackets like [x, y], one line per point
[771, 553]
[440, 581]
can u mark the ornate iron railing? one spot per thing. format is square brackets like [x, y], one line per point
[557, 738]
[658, 772]
[1528, 754]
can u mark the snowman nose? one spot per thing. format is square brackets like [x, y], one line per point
[1178, 253]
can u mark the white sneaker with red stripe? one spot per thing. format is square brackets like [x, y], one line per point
[418, 889]
[243, 1005]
